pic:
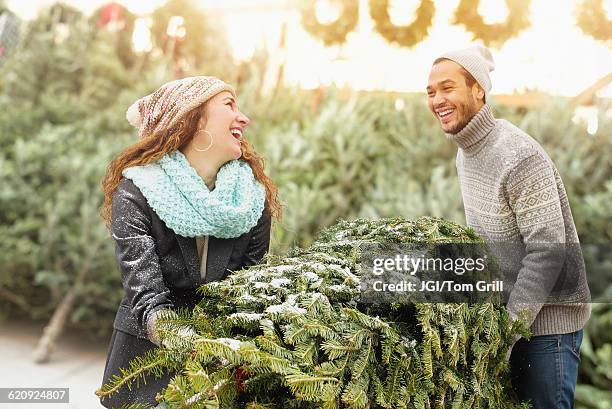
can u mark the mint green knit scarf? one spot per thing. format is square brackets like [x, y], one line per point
[180, 198]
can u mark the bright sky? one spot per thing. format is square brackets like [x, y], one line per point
[553, 55]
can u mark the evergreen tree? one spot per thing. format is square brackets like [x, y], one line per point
[56, 90]
[293, 333]
[41, 80]
[594, 389]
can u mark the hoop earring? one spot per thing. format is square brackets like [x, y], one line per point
[211, 141]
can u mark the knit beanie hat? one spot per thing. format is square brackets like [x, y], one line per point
[478, 61]
[169, 103]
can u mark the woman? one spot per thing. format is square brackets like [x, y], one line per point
[186, 204]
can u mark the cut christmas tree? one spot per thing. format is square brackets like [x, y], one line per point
[295, 332]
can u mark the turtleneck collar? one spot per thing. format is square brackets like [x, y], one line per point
[475, 131]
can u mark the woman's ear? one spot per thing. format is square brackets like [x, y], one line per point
[203, 117]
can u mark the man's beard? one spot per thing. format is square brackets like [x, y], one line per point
[465, 113]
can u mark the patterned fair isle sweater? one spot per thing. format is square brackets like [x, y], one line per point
[515, 200]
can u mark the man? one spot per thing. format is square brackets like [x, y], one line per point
[515, 200]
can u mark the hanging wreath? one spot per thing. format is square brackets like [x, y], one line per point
[592, 20]
[335, 32]
[493, 34]
[405, 36]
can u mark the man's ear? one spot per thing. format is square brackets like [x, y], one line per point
[478, 92]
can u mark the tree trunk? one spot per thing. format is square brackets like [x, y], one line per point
[46, 343]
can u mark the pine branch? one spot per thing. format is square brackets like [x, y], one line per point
[139, 367]
[309, 387]
[335, 349]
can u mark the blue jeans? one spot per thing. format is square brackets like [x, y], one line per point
[544, 370]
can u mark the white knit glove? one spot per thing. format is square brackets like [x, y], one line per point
[181, 338]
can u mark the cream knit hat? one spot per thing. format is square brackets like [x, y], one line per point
[478, 61]
[169, 103]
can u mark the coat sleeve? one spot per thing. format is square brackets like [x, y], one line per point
[135, 252]
[259, 243]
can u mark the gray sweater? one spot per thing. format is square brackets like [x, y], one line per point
[515, 200]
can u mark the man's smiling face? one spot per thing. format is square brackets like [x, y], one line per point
[453, 95]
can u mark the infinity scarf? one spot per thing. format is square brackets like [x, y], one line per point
[180, 198]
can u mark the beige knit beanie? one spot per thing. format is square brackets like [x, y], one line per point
[478, 61]
[169, 103]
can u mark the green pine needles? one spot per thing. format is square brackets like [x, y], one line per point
[291, 333]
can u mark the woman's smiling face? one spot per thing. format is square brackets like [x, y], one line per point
[226, 123]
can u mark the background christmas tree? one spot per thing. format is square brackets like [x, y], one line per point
[60, 77]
